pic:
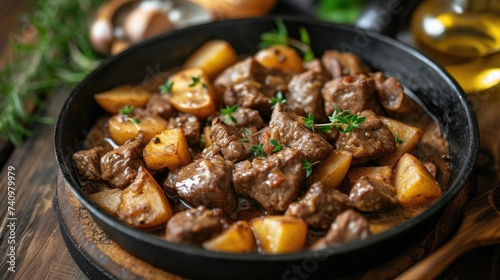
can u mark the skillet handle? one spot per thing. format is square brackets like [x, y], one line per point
[385, 17]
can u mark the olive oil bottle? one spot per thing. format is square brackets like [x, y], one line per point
[463, 35]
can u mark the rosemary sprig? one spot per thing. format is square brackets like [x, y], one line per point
[59, 54]
[343, 120]
[280, 37]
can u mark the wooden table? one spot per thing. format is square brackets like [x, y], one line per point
[40, 251]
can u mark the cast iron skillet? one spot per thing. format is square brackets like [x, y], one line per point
[437, 91]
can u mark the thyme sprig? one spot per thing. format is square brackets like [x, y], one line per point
[280, 37]
[228, 114]
[166, 87]
[258, 150]
[398, 140]
[277, 99]
[196, 80]
[343, 120]
[59, 54]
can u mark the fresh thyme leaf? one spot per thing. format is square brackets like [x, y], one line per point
[166, 87]
[247, 131]
[60, 54]
[228, 113]
[398, 140]
[280, 37]
[343, 120]
[258, 150]
[127, 110]
[309, 121]
[135, 121]
[277, 99]
[196, 80]
[277, 146]
[307, 166]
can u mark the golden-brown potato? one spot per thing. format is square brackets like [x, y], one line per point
[122, 128]
[108, 200]
[143, 203]
[167, 149]
[333, 169]
[408, 134]
[279, 234]
[380, 173]
[238, 238]
[214, 56]
[414, 184]
[192, 93]
[116, 98]
[225, 9]
[280, 57]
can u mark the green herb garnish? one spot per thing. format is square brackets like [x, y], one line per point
[166, 87]
[228, 114]
[126, 110]
[343, 120]
[258, 150]
[280, 37]
[277, 146]
[196, 80]
[398, 140]
[277, 99]
[135, 121]
[307, 166]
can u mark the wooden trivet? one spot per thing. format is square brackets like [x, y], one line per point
[99, 257]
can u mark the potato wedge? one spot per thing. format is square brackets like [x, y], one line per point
[279, 234]
[116, 98]
[410, 136]
[167, 149]
[192, 93]
[238, 238]
[108, 200]
[214, 56]
[414, 184]
[122, 128]
[143, 203]
[280, 57]
[333, 169]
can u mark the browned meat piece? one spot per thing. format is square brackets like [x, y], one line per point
[343, 64]
[274, 181]
[191, 127]
[294, 134]
[353, 93]
[319, 206]
[87, 163]
[348, 226]
[304, 92]
[248, 94]
[431, 167]
[368, 142]
[119, 166]
[193, 226]
[373, 196]
[390, 93]
[160, 105]
[228, 139]
[246, 117]
[205, 182]
[316, 66]
[249, 69]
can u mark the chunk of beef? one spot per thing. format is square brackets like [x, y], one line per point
[251, 70]
[87, 163]
[343, 64]
[228, 139]
[317, 67]
[353, 93]
[248, 94]
[193, 226]
[246, 117]
[274, 181]
[304, 92]
[205, 182]
[390, 93]
[370, 141]
[119, 166]
[348, 226]
[294, 134]
[160, 105]
[319, 206]
[191, 127]
[373, 196]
